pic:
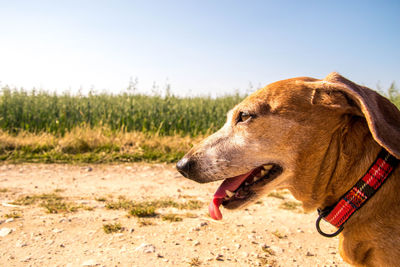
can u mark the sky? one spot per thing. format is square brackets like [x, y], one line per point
[204, 47]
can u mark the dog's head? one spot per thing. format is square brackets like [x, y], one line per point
[270, 139]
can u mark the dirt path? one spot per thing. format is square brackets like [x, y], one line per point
[265, 234]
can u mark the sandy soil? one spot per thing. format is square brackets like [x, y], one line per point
[77, 238]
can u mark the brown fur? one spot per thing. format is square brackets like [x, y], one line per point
[325, 134]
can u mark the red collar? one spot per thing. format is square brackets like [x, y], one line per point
[356, 197]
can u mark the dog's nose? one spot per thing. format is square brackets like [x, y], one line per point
[184, 166]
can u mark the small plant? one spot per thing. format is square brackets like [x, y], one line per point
[57, 206]
[59, 190]
[190, 205]
[162, 203]
[290, 205]
[26, 200]
[53, 203]
[145, 222]
[269, 251]
[101, 199]
[84, 207]
[266, 261]
[142, 211]
[195, 262]
[3, 190]
[190, 215]
[29, 200]
[122, 203]
[14, 215]
[112, 228]
[187, 196]
[148, 208]
[171, 217]
[276, 195]
[278, 234]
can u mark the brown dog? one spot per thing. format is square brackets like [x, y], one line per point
[315, 138]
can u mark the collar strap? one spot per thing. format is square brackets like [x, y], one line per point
[356, 197]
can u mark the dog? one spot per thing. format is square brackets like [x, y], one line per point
[315, 138]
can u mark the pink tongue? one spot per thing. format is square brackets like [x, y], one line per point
[230, 184]
[213, 208]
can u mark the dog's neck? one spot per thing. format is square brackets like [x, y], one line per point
[356, 151]
[337, 166]
[339, 161]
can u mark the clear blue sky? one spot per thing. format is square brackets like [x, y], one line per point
[198, 47]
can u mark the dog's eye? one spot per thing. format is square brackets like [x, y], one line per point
[243, 116]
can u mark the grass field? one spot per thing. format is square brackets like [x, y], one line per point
[37, 112]
[37, 126]
[93, 145]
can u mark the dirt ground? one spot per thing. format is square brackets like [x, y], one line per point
[272, 232]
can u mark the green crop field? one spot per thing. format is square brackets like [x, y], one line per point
[37, 126]
[37, 112]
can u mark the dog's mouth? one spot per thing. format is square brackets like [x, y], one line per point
[235, 191]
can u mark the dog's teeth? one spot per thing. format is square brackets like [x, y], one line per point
[259, 175]
[263, 173]
[256, 178]
[267, 167]
[229, 193]
[246, 183]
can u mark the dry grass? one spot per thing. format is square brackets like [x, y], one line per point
[59, 190]
[276, 194]
[265, 258]
[279, 234]
[112, 228]
[190, 205]
[143, 211]
[29, 200]
[98, 145]
[101, 199]
[145, 222]
[195, 262]
[266, 261]
[190, 215]
[172, 217]
[269, 251]
[290, 205]
[14, 215]
[24, 139]
[53, 203]
[123, 203]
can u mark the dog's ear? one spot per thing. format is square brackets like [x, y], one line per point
[382, 116]
[334, 99]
